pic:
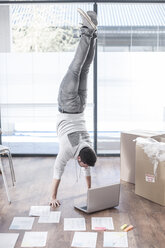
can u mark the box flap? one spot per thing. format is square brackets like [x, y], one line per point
[146, 133]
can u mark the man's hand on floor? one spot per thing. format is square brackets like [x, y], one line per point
[54, 203]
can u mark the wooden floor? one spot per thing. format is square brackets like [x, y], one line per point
[34, 175]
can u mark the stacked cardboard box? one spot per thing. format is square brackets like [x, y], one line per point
[150, 184]
[127, 152]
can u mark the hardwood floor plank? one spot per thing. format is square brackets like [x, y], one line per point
[34, 176]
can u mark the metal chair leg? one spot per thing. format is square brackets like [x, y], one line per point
[5, 182]
[11, 167]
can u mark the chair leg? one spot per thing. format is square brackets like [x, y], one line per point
[5, 182]
[11, 160]
[11, 168]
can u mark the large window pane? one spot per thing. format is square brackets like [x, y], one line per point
[44, 38]
[131, 44]
[130, 71]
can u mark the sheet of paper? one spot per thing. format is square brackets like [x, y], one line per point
[22, 223]
[84, 239]
[54, 217]
[106, 222]
[74, 224]
[115, 239]
[39, 211]
[8, 240]
[34, 239]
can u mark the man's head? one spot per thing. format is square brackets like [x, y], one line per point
[86, 157]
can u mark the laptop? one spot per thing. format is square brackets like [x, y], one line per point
[101, 198]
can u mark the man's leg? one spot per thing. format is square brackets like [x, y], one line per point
[82, 90]
[68, 98]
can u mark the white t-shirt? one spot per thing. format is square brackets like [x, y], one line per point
[73, 137]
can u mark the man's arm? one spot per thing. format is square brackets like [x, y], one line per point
[54, 202]
[88, 180]
[59, 165]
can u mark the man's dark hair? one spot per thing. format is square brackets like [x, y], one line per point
[88, 156]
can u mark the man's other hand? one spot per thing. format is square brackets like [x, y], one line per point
[54, 203]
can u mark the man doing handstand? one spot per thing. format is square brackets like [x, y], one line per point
[73, 136]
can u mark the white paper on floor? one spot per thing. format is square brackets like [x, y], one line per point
[74, 224]
[22, 223]
[84, 239]
[115, 239]
[34, 239]
[54, 217]
[39, 211]
[8, 240]
[106, 222]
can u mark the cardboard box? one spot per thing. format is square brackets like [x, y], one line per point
[127, 152]
[147, 184]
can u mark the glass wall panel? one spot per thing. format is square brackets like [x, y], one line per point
[130, 71]
[38, 44]
[43, 41]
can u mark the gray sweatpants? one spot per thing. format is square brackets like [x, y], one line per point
[73, 89]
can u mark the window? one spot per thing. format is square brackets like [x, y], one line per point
[43, 40]
[130, 71]
[38, 44]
